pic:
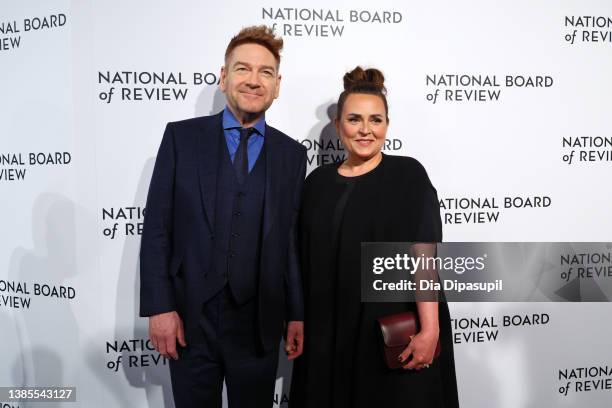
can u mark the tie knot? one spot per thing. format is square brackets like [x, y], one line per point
[245, 133]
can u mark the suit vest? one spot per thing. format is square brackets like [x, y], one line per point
[238, 225]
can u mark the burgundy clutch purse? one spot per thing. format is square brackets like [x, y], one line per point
[396, 331]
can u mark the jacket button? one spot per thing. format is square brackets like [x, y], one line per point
[212, 236]
[238, 213]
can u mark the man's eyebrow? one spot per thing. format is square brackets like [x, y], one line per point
[249, 65]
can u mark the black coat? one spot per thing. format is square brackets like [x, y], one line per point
[178, 233]
[342, 365]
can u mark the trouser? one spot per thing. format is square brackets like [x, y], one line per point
[225, 346]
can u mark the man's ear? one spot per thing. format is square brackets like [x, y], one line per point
[222, 78]
[278, 82]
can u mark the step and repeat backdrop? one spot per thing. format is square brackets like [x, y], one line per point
[506, 103]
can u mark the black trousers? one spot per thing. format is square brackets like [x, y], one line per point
[225, 347]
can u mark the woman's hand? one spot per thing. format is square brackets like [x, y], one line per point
[422, 348]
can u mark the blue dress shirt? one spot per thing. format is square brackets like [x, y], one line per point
[231, 130]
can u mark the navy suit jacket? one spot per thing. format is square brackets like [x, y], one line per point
[178, 233]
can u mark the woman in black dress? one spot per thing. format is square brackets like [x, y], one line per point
[367, 198]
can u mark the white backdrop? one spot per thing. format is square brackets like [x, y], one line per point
[79, 133]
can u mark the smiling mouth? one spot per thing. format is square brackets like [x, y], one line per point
[364, 142]
[250, 95]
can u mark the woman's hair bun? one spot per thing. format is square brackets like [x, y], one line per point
[370, 78]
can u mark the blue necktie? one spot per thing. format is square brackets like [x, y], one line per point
[241, 159]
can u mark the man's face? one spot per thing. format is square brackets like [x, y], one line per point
[250, 80]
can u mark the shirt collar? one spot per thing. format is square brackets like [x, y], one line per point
[230, 122]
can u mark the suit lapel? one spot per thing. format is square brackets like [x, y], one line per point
[208, 159]
[273, 158]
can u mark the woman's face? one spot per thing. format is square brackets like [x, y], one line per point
[362, 125]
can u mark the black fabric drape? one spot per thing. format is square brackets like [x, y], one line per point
[342, 365]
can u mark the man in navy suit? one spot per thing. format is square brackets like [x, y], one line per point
[218, 264]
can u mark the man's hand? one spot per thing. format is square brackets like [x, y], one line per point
[164, 331]
[294, 341]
